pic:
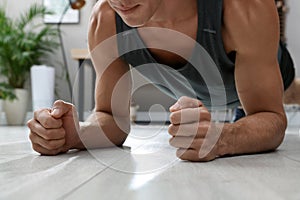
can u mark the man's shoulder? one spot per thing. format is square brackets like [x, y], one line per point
[248, 6]
[249, 23]
[247, 15]
[102, 23]
[103, 13]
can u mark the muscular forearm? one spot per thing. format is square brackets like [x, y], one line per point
[255, 133]
[101, 130]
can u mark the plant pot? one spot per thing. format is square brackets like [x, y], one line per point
[16, 110]
[42, 84]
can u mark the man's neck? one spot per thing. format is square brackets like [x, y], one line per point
[173, 11]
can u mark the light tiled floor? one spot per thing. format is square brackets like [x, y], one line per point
[146, 169]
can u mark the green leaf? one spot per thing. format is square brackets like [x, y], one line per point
[24, 42]
[7, 92]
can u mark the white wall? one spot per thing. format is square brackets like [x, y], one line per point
[74, 36]
[293, 31]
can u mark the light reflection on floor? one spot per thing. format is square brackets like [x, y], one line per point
[139, 180]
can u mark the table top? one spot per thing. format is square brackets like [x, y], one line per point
[145, 168]
[78, 54]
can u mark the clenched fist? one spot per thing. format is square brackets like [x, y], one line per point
[193, 132]
[55, 130]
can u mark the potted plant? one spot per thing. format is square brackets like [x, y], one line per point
[23, 43]
[6, 93]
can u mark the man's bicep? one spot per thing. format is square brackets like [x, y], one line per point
[255, 34]
[113, 89]
[113, 82]
[259, 85]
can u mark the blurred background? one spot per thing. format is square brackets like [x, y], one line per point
[74, 38]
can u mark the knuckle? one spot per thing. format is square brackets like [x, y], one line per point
[180, 153]
[186, 98]
[31, 137]
[173, 118]
[189, 102]
[206, 115]
[199, 102]
[36, 112]
[30, 123]
[35, 147]
[206, 125]
[183, 99]
[204, 109]
[172, 129]
[47, 122]
[173, 141]
[59, 102]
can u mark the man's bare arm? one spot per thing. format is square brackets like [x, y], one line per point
[109, 125]
[253, 29]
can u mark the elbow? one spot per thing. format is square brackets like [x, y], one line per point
[119, 141]
[278, 140]
[120, 135]
[281, 125]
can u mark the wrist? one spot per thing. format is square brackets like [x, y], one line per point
[226, 142]
[78, 144]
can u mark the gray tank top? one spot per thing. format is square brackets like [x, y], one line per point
[208, 74]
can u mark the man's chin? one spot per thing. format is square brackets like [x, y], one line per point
[133, 23]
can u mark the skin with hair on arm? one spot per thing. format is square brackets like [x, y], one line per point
[51, 133]
[56, 130]
[250, 28]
